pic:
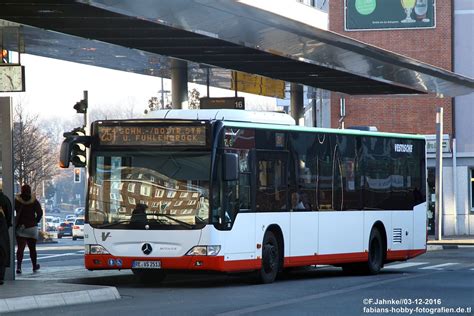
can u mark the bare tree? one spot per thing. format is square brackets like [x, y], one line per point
[104, 112]
[34, 154]
[194, 102]
[155, 104]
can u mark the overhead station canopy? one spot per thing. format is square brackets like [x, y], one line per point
[231, 35]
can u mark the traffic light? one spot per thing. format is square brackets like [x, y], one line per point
[73, 148]
[77, 175]
[5, 58]
[81, 106]
[78, 151]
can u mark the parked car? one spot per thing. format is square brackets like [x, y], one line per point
[65, 229]
[78, 228]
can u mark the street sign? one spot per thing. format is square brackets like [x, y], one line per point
[256, 84]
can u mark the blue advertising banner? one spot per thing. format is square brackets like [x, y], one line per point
[366, 15]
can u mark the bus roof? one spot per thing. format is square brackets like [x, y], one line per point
[225, 115]
[323, 130]
[263, 120]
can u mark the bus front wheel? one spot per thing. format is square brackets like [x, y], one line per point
[270, 259]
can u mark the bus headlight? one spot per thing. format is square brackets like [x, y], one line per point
[204, 250]
[95, 250]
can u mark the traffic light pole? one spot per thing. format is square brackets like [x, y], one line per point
[439, 175]
[87, 132]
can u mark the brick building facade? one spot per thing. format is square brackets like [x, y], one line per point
[400, 114]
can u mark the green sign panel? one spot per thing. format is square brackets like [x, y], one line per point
[363, 15]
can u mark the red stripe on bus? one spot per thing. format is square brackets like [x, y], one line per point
[211, 263]
[326, 259]
[404, 254]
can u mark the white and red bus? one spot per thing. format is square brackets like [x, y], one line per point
[235, 191]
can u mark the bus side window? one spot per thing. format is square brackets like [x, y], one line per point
[271, 185]
[244, 180]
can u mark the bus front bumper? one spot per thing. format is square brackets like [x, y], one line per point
[208, 263]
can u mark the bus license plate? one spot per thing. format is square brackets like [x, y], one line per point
[146, 264]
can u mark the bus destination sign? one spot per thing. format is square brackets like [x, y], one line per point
[152, 135]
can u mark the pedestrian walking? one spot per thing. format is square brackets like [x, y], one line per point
[28, 215]
[5, 223]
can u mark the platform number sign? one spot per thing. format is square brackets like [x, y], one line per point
[239, 104]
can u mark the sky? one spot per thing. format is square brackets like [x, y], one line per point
[54, 86]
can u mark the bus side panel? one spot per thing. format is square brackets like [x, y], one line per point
[402, 230]
[303, 234]
[419, 226]
[264, 220]
[239, 242]
[341, 232]
[89, 236]
[370, 218]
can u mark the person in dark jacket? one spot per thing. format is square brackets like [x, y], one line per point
[5, 223]
[29, 214]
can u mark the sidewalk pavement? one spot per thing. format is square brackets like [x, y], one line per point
[450, 242]
[47, 288]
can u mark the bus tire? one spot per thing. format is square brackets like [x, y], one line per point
[376, 252]
[375, 257]
[149, 276]
[270, 259]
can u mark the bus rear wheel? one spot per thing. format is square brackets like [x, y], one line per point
[376, 252]
[270, 259]
[375, 259]
[149, 276]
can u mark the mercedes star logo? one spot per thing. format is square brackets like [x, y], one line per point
[146, 248]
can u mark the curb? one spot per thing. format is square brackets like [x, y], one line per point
[58, 299]
[434, 247]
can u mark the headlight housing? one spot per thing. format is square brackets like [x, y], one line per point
[95, 250]
[211, 250]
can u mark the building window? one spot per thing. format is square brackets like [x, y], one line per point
[145, 190]
[472, 190]
[131, 187]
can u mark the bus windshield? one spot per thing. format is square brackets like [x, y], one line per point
[149, 189]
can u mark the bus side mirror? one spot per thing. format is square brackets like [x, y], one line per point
[231, 167]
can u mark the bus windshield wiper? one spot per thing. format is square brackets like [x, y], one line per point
[114, 223]
[175, 220]
[144, 220]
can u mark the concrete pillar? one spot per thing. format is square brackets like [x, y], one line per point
[6, 173]
[179, 84]
[297, 102]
